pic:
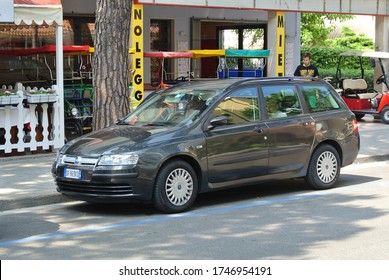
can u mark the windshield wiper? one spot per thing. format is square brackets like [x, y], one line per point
[156, 124]
[122, 122]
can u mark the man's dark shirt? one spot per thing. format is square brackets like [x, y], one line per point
[309, 71]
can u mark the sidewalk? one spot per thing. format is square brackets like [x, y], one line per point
[26, 181]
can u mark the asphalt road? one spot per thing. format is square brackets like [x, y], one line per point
[278, 221]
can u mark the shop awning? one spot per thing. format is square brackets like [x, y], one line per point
[168, 54]
[50, 49]
[207, 53]
[247, 53]
[38, 12]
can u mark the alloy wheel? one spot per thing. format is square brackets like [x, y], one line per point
[327, 167]
[179, 187]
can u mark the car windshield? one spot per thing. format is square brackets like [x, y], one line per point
[176, 106]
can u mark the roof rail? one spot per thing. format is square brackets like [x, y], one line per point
[286, 78]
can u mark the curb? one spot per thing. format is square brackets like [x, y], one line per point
[26, 157]
[367, 159]
[13, 204]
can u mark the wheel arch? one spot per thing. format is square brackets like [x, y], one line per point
[334, 144]
[324, 167]
[170, 200]
[190, 160]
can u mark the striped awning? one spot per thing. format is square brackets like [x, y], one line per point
[38, 12]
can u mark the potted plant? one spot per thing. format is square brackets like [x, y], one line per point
[8, 98]
[41, 96]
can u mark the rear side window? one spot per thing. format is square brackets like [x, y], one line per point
[319, 98]
[281, 101]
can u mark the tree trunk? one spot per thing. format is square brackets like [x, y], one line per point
[110, 65]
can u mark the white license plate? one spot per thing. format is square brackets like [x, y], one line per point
[72, 173]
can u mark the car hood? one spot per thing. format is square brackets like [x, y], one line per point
[115, 139]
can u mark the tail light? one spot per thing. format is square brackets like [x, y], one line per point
[355, 126]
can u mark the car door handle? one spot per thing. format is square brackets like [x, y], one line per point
[258, 130]
[304, 123]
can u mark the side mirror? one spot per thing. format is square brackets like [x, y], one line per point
[218, 121]
[372, 62]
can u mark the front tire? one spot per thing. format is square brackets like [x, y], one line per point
[176, 187]
[385, 115]
[324, 168]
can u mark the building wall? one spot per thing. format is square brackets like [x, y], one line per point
[87, 7]
[292, 41]
[182, 26]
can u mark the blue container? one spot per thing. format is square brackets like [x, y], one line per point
[259, 72]
[223, 73]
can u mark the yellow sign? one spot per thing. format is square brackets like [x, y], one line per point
[280, 48]
[137, 94]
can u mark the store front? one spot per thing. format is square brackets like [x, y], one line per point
[30, 117]
[176, 25]
[168, 28]
[211, 28]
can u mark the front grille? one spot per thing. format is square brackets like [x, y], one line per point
[80, 161]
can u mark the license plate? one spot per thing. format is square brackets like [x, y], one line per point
[72, 173]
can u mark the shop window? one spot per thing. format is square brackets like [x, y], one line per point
[33, 36]
[242, 37]
[160, 40]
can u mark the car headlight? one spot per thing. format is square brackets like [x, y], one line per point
[59, 159]
[124, 159]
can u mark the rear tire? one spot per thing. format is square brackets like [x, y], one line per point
[324, 168]
[176, 187]
[385, 115]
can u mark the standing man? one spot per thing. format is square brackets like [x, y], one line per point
[306, 69]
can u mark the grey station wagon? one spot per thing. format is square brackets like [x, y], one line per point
[205, 136]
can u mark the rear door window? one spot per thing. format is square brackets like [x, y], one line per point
[281, 101]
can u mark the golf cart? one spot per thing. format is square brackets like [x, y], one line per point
[354, 91]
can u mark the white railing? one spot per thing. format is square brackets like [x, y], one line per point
[29, 122]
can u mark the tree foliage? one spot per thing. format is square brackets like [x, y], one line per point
[327, 55]
[325, 52]
[110, 65]
[316, 27]
[351, 40]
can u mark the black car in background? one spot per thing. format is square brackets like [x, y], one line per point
[206, 136]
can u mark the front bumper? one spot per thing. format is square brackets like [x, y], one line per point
[103, 183]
